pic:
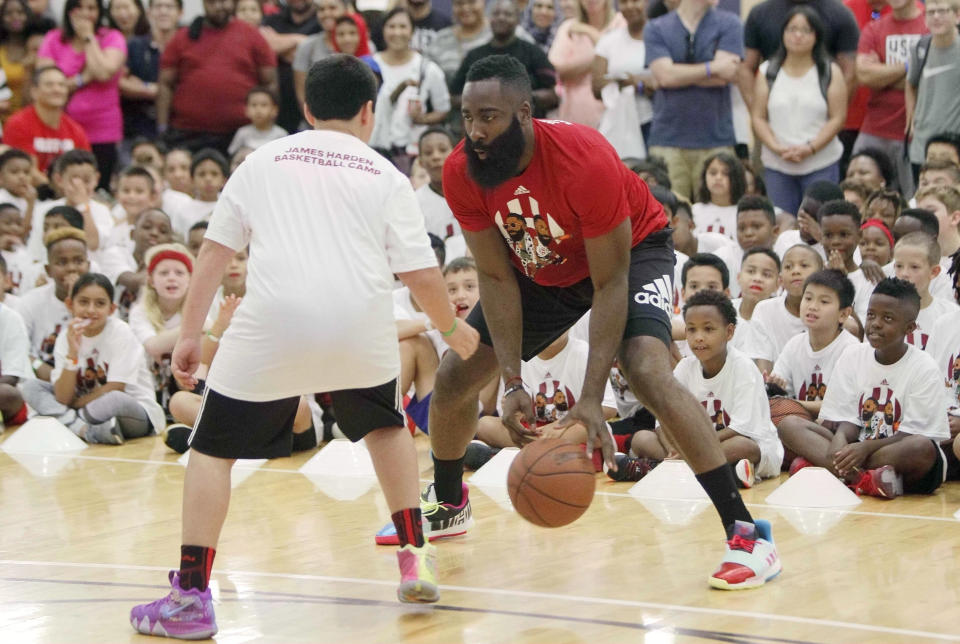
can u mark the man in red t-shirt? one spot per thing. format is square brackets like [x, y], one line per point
[558, 227]
[882, 57]
[205, 74]
[43, 129]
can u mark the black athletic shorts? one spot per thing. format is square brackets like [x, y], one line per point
[548, 311]
[231, 428]
[934, 477]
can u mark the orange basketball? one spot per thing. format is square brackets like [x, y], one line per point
[781, 407]
[551, 482]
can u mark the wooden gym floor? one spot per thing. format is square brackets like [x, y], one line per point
[85, 536]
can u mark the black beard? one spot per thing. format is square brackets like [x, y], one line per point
[503, 156]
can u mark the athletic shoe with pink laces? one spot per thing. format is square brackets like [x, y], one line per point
[882, 482]
[418, 574]
[182, 614]
[751, 559]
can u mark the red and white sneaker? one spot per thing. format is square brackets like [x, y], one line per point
[882, 482]
[751, 559]
[746, 474]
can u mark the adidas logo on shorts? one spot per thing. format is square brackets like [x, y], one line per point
[658, 293]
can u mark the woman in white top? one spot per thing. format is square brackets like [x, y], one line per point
[413, 95]
[622, 81]
[795, 119]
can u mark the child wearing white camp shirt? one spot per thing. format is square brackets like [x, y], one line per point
[916, 258]
[14, 365]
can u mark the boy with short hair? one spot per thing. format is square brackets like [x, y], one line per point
[731, 390]
[936, 173]
[944, 203]
[759, 279]
[16, 186]
[43, 308]
[806, 364]
[944, 348]
[262, 109]
[756, 228]
[840, 233]
[882, 418]
[943, 146]
[916, 260]
[14, 360]
[22, 271]
[208, 173]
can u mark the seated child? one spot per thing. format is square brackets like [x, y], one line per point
[944, 203]
[916, 259]
[99, 386]
[731, 390]
[436, 144]
[22, 269]
[884, 205]
[840, 229]
[152, 229]
[16, 187]
[759, 279]
[14, 364]
[944, 348]
[876, 242]
[703, 271]
[261, 108]
[883, 415]
[195, 236]
[147, 153]
[176, 171]
[43, 309]
[855, 192]
[777, 319]
[807, 362]
[208, 173]
[756, 228]
[722, 184]
[935, 174]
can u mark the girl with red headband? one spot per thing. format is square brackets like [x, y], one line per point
[155, 318]
[876, 242]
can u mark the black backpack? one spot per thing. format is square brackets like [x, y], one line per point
[773, 68]
[923, 50]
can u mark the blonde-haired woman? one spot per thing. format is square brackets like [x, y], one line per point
[572, 54]
[155, 318]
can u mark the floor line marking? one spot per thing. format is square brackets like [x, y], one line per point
[531, 594]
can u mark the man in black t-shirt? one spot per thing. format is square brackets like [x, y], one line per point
[504, 18]
[764, 26]
[427, 21]
[284, 31]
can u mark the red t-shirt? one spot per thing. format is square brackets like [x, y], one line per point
[575, 188]
[25, 130]
[214, 74]
[864, 14]
[892, 40]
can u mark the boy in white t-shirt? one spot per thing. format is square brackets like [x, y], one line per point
[15, 182]
[916, 259]
[944, 348]
[436, 144]
[14, 365]
[329, 222]
[702, 272]
[208, 174]
[22, 269]
[840, 229]
[732, 393]
[756, 228]
[759, 279]
[944, 203]
[261, 108]
[883, 415]
[777, 319]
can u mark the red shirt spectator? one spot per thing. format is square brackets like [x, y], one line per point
[210, 76]
[43, 130]
[865, 12]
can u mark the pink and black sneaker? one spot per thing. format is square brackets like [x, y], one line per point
[182, 614]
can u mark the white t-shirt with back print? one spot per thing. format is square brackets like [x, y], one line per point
[113, 355]
[736, 399]
[806, 371]
[328, 222]
[906, 396]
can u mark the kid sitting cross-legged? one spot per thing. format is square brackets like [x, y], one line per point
[883, 415]
[731, 390]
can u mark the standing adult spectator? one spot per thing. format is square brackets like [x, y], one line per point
[284, 32]
[882, 58]
[932, 99]
[794, 118]
[15, 21]
[469, 30]
[43, 129]
[572, 54]
[318, 46]
[694, 53]
[620, 76]
[205, 74]
[864, 12]
[427, 23]
[762, 37]
[413, 95]
[541, 19]
[138, 85]
[504, 19]
[128, 17]
[92, 57]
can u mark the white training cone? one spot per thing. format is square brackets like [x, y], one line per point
[342, 470]
[671, 480]
[494, 472]
[43, 435]
[813, 487]
[42, 465]
[242, 469]
[674, 511]
[810, 521]
[956, 515]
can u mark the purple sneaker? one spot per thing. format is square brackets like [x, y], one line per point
[183, 614]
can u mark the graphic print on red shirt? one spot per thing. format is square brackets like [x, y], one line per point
[575, 188]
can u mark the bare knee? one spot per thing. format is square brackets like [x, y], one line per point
[646, 363]
[184, 406]
[458, 379]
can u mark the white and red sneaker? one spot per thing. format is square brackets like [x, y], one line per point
[746, 474]
[751, 559]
